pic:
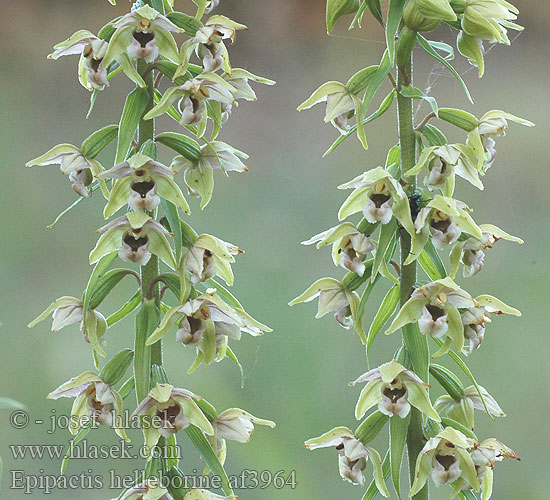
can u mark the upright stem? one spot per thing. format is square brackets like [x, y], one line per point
[149, 272]
[407, 141]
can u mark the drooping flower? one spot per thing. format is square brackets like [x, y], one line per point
[93, 399]
[209, 256]
[446, 458]
[463, 411]
[333, 296]
[475, 318]
[80, 169]
[349, 246]
[208, 44]
[394, 389]
[489, 20]
[444, 163]
[148, 490]
[192, 97]
[199, 174]
[435, 307]
[67, 311]
[444, 219]
[352, 456]
[379, 196]
[425, 15]
[141, 182]
[167, 410]
[342, 105]
[143, 34]
[207, 322]
[135, 236]
[240, 79]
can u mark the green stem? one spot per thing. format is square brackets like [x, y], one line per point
[149, 272]
[407, 141]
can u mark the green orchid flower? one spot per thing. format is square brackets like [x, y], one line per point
[143, 34]
[333, 296]
[480, 140]
[443, 164]
[208, 257]
[208, 44]
[67, 311]
[435, 307]
[426, 15]
[81, 170]
[201, 494]
[92, 72]
[239, 79]
[463, 411]
[148, 490]
[192, 97]
[135, 236]
[379, 196]
[444, 219]
[342, 105]
[95, 402]
[475, 318]
[394, 389]
[141, 182]
[446, 458]
[207, 322]
[199, 174]
[353, 456]
[470, 252]
[349, 246]
[490, 20]
[167, 410]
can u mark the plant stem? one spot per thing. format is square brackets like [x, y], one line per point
[149, 272]
[407, 141]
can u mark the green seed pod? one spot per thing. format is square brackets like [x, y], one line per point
[449, 381]
[115, 369]
[459, 118]
[371, 427]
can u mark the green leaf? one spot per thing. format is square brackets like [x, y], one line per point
[415, 93]
[202, 445]
[134, 108]
[395, 15]
[106, 284]
[427, 46]
[362, 304]
[82, 433]
[417, 345]
[384, 106]
[146, 322]
[98, 141]
[385, 239]
[10, 404]
[377, 80]
[125, 310]
[376, 10]
[171, 212]
[372, 490]
[187, 23]
[181, 144]
[399, 428]
[430, 261]
[99, 270]
[385, 312]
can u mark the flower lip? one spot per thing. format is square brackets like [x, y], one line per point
[135, 243]
[379, 199]
[143, 38]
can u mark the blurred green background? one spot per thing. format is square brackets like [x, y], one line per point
[297, 375]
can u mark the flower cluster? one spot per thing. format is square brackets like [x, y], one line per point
[179, 269]
[409, 203]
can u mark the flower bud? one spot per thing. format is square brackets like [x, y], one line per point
[414, 20]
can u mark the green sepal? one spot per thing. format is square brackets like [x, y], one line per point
[115, 369]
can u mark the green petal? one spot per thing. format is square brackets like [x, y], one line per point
[118, 196]
[328, 438]
[313, 290]
[195, 415]
[409, 313]
[200, 178]
[321, 93]
[168, 321]
[166, 101]
[109, 242]
[354, 203]
[417, 396]
[495, 305]
[158, 244]
[169, 190]
[75, 382]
